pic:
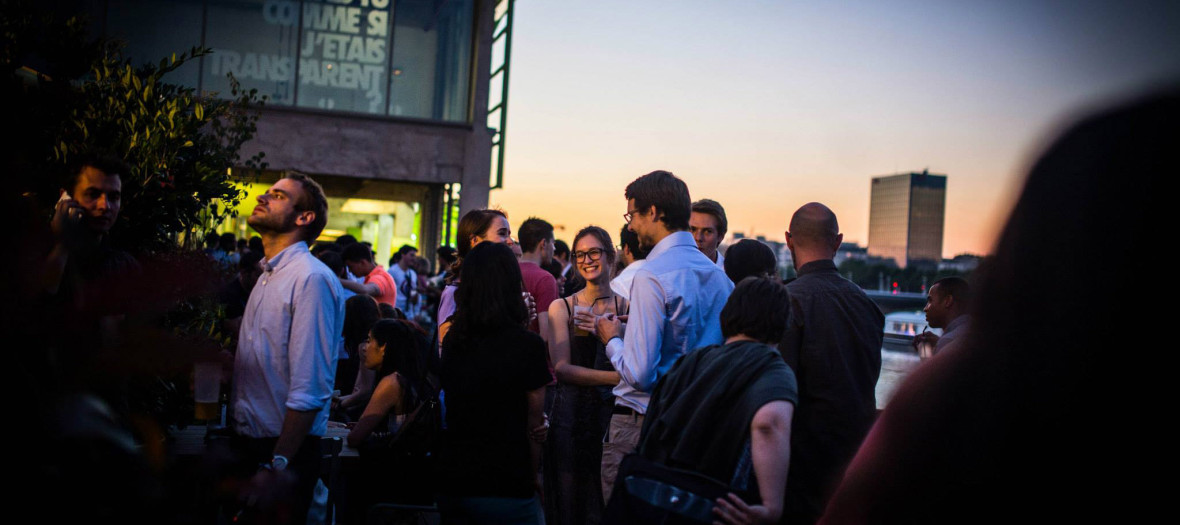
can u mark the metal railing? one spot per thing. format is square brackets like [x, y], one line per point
[498, 109]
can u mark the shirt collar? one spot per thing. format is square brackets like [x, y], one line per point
[678, 238]
[956, 323]
[822, 265]
[282, 258]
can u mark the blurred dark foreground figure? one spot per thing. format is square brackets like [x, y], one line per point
[1049, 410]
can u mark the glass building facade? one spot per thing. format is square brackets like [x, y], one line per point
[906, 216]
[384, 102]
[396, 58]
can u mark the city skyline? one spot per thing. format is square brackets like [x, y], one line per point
[765, 106]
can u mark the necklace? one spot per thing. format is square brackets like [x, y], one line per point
[596, 299]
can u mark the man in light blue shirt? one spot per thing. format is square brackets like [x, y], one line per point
[401, 267]
[286, 359]
[676, 301]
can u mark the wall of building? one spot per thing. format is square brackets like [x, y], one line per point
[927, 209]
[331, 144]
[415, 124]
[889, 210]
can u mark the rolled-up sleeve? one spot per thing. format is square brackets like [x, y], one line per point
[637, 356]
[315, 329]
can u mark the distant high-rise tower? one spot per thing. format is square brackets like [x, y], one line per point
[906, 218]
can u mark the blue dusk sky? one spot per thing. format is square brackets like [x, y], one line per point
[764, 105]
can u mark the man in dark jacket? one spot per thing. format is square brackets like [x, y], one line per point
[833, 343]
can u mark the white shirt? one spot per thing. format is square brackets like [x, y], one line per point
[951, 333]
[403, 293]
[720, 261]
[287, 346]
[621, 284]
[675, 307]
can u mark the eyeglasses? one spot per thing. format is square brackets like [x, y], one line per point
[630, 215]
[592, 254]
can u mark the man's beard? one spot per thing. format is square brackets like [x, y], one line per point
[645, 244]
[269, 223]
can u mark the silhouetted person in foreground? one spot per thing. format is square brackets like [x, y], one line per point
[1049, 411]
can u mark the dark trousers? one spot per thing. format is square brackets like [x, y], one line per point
[292, 506]
[486, 510]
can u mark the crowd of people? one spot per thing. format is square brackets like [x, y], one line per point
[638, 379]
[546, 357]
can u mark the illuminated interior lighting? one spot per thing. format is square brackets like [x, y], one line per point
[369, 206]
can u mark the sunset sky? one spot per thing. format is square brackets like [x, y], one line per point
[764, 105]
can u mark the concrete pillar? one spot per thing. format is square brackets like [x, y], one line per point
[384, 242]
[432, 219]
[473, 194]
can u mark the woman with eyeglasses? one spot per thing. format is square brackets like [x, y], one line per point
[583, 399]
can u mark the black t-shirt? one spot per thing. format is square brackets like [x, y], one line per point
[485, 446]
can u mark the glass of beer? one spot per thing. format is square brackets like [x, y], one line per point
[206, 388]
[584, 310]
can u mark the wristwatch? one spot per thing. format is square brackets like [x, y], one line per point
[279, 463]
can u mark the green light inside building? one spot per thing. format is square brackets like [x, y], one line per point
[386, 223]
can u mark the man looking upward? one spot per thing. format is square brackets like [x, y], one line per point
[708, 226]
[676, 302]
[286, 358]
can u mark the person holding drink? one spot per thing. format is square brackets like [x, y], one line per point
[583, 400]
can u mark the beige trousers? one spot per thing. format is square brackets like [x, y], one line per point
[622, 438]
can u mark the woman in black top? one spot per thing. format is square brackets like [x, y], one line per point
[361, 312]
[397, 350]
[493, 376]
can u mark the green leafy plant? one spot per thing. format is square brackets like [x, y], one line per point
[180, 146]
[67, 94]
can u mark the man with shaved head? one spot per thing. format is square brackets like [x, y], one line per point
[833, 343]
